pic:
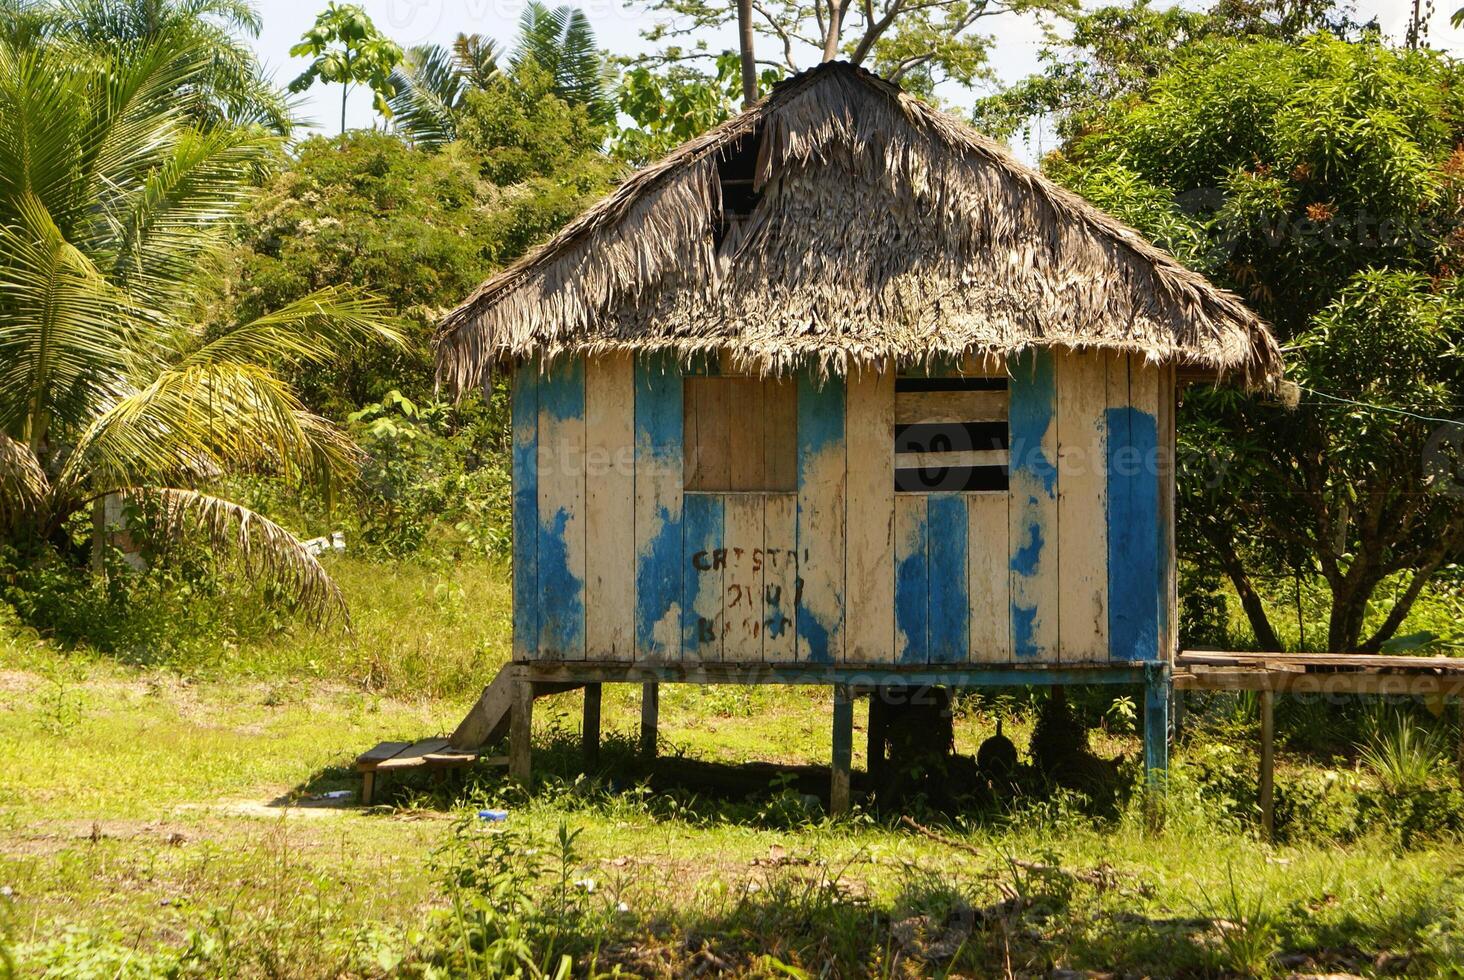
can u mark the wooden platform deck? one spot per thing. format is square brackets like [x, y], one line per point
[1319, 673]
[1315, 675]
[432, 753]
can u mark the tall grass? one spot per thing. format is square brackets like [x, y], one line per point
[1402, 754]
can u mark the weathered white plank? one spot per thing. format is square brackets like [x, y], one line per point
[987, 560]
[871, 511]
[610, 507]
[912, 407]
[1082, 538]
[561, 557]
[960, 457]
[912, 580]
[821, 533]
[780, 577]
[1033, 509]
[742, 583]
[658, 508]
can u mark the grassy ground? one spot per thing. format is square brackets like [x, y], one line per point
[147, 832]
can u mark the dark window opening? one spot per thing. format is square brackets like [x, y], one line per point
[737, 174]
[951, 435]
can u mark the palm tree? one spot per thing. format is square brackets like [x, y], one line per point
[230, 85]
[562, 43]
[432, 82]
[111, 200]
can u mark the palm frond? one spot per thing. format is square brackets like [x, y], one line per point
[195, 422]
[183, 207]
[65, 332]
[313, 329]
[264, 549]
[429, 91]
[476, 57]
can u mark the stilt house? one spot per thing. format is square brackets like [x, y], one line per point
[841, 393]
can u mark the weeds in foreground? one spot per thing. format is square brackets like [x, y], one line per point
[1247, 938]
[1404, 756]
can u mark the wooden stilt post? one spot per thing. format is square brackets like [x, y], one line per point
[521, 732]
[1268, 764]
[368, 787]
[650, 719]
[875, 755]
[1156, 724]
[591, 729]
[843, 755]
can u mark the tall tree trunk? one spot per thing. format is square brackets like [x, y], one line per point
[1250, 600]
[749, 65]
[836, 25]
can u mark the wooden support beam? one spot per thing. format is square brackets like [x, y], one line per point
[843, 755]
[1268, 764]
[590, 733]
[521, 732]
[368, 786]
[650, 719]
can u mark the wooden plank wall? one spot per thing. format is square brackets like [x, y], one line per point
[615, 560]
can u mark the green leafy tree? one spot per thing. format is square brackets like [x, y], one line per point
[432, 83]
[111, 201]
[1321, 180]
[918, 43]
[229, 86]
[416, 228]
[1117, 52]
[348, 50]
[671, 105]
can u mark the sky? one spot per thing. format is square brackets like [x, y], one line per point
[618, 25]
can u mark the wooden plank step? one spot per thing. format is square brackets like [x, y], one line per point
[413, 756]
[372, 758]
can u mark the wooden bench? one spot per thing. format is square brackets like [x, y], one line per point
[432, 753]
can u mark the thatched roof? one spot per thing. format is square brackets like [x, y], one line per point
[883, 230]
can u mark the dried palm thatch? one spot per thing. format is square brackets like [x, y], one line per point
[882, 230]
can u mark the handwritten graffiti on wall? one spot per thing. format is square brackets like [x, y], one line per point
[750, 607]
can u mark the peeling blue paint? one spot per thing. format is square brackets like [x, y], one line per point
[1027, 556]
[950, 603]
[562, 612]
[703, 527]
[524, 412]
[658, 559]
[820, 437]
[912, 602]
[1031, 415]
[1024, 630]
[1135, 584]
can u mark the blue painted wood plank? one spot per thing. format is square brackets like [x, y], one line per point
[658, 545]
[1156, 724]
[524, 412]
[1135, 585]
[1033, 490]
[950, 605]
[912, 579]
[561, 555]
[703, 528]
[822, 475]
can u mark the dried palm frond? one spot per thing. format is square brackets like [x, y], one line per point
[265, 549]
